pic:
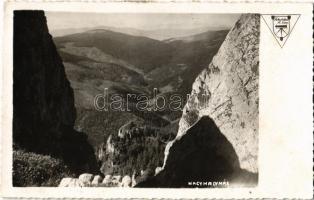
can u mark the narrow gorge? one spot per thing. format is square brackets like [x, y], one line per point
[60, 139]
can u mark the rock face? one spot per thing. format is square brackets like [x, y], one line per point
[125, 130]
[70, 182]
[97, 180]
[43, 103]
[231, 83]
[218, 132]
[89, 180]
[107, 179]
[134, 148]
[86, 179]
[126, 181]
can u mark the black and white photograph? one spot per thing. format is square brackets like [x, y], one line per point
[144, 100]
[156, 100]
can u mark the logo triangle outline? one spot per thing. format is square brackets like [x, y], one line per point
[281, 26]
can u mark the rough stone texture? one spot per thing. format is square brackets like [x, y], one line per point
[231, 81]
[133, 180]
[157, 170]
[70, 182]
[208, 157]
[97, 180]
[126, 181]
[86, 179]
[43, 103]
[225, 97]
[112, 181]
[107, 179]
[117, 178]
[89, 180]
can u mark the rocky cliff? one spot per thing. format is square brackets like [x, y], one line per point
[135, 150]
[43, 102]
[218, 132]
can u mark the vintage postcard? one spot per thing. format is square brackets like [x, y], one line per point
[157, 100]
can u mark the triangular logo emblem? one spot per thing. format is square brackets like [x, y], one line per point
[281, 26]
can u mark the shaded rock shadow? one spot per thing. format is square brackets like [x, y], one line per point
[203, 154]
[43, 99]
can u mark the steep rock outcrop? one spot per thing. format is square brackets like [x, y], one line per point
[218, 132]
[135, 147]
[231, 83]
[43, 103]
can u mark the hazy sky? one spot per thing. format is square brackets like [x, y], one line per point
[62, 20]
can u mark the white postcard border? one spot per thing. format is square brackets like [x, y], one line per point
[285, 133]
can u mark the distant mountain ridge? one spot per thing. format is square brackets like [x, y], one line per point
[207, 35]
[143, 52]
[157, 34]
[127, 64]
[123, 63]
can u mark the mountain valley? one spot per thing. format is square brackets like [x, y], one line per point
[99, 106]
